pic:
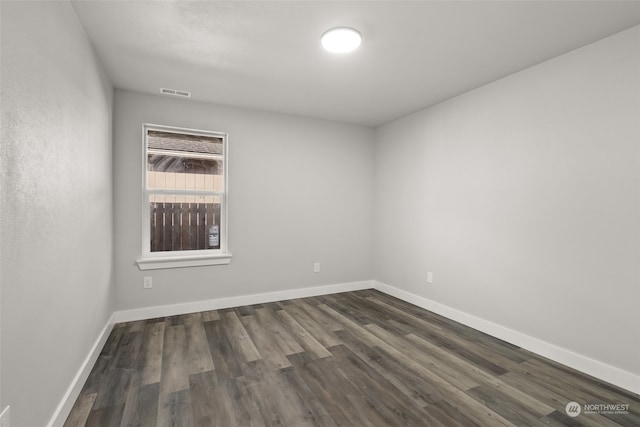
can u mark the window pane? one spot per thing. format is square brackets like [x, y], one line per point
[169, 172]
[182, 222]
[184, 161]
[184, 143]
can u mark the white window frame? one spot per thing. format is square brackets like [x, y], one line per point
[189, 258]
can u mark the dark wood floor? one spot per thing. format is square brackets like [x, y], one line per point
[351, 359]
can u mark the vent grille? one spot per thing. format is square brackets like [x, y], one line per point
[175, 92]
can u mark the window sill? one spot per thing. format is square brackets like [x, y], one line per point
[182, 261]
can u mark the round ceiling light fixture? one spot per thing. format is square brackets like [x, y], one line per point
[341, 40]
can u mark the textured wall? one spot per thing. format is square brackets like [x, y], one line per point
[523, 198]
[300, 191]
[56, 206]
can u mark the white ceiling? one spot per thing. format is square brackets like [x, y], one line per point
[267, 54]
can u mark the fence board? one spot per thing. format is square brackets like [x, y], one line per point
[193, 226]
[176, 229]
[184, 225]
[168, 210]
[208, 223]
[159, 228]
[202, 229]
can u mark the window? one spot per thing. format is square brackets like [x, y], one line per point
[184, 198]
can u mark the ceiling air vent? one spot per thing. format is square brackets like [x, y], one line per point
[175, 92]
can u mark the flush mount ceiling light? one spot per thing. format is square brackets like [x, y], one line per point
[341, 40]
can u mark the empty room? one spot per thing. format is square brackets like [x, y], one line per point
[319, 213]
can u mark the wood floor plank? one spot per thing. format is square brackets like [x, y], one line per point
[151, 349]
[141, 406]
[325, 321]
[222, 400]
[505, 405]
[361, 408]
[128, 349]
[263, 341]
[320, 332]
[481, 413]
[561, 419]
[278, 402]
[318, 413]
[380, 393]
[113, 391]
[322, 386]
[434, 332]
[267, 319]
[366, 336]
[552, 399]
[444, 358]
[80, 411]
[108, 416]
[175, 375]
[304, 338]
[446, 372]
[208, 400]
[350, 309]
[225, 359]
[404, 379]
[174, 409]
[245, 310]
[111, 346]
[99, 374]
[247, 410]
[197, 352]
[449, 415]
[588, 385]
[210, 316]
[239, 338]
[352, 359]
[549, 378]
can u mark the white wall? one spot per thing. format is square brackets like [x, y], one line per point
[522, 197]
[300, 191]
[56, 205]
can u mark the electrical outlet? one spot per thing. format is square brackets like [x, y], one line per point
[147, 284]
[316, 267]
[429, 277]
[4, 418]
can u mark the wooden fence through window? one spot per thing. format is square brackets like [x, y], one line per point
[183, 226]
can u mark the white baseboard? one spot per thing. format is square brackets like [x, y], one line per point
[215, 304]
[603, 371]
[66, 404]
